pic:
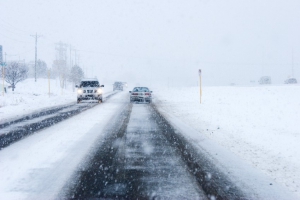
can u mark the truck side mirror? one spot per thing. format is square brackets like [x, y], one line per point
[129, 91]
[76, 86]
[102, 86]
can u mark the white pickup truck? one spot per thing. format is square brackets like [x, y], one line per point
[89, 89]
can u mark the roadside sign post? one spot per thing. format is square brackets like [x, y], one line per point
[49, 82]
[61, 84]
[3, 77]
[200, 86]
[2, 80]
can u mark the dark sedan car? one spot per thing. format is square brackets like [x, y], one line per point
[290, 81]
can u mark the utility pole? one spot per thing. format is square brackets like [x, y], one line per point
[36, 36]
[62, 62]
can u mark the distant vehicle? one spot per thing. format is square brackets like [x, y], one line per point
[89, 89]
[290, 81]
[141, 94]
[118, 86]
[265, 80]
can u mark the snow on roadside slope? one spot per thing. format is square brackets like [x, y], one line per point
[37, 167]
[30, 96]
[258, 124]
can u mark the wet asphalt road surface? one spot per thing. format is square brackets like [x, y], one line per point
[136, 162]
[143, 157]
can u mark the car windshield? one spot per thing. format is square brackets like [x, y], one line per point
[89, 84]
[140, 89]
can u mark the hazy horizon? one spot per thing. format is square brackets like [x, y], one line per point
[165, 42]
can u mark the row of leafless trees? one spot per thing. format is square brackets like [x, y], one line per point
[60, 71]
[15, 71]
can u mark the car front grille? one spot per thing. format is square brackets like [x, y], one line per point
[89, 91]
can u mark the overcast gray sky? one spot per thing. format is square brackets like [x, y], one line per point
[161, 41]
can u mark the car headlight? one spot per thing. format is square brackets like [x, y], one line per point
[99, 91]
[79, 91]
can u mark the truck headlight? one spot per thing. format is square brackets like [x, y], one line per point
[79, 91]
[99, 91]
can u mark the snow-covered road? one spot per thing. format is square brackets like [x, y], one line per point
[12, 130]
[38, 166]
[135, 161]
[256, 145]
[42, 165]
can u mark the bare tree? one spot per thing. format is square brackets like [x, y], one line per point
[59, 66]
[76, 74]
[59, 69]
[14, 73]
[41, 69]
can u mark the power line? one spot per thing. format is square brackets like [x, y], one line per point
[11, 31]
[13, 39]
[11, 26]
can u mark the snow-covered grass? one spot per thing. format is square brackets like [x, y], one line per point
[258, 124]
[30, 96]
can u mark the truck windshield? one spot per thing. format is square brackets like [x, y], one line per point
[89, 84]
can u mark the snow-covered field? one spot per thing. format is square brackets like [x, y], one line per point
[258, 124]
[30, 96]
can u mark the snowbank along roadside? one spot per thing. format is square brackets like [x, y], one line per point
[258, 124]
